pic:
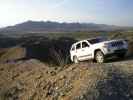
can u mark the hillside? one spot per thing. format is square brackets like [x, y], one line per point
[46, 27]
[34, 67]
[32, 80]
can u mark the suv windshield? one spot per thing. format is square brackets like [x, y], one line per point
[96, 40]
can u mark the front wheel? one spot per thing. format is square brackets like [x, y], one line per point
[99, 57]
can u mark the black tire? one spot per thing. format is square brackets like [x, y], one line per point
[75, 60]
[99, 57]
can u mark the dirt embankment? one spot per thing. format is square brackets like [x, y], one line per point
[12, 54]
[33, 80]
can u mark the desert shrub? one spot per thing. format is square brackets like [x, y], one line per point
[58, 58]
[130, 48]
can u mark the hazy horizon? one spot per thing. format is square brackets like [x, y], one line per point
[111, 12]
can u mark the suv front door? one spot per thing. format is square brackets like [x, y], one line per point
[85, 50]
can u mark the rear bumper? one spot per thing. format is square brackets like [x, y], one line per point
[117, 52]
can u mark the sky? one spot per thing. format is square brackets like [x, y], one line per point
[112, 12]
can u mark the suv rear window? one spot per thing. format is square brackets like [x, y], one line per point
[78, 46]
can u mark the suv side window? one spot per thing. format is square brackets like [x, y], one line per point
[84, 44]
[78, 46]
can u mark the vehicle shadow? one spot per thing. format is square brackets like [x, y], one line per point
[116, 59]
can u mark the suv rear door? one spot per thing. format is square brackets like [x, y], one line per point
[78, 50]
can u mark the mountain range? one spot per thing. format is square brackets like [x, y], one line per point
[49, 26]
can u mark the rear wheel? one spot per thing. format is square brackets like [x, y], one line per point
[75, 60]
[99, 57]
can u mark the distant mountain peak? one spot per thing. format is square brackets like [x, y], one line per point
[51, 26]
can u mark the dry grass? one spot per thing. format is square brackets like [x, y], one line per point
[58, 58]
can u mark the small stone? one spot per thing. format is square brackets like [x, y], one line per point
[56, 88]
[62, 77]
[53, 73]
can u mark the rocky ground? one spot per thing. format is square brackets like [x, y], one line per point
[34, 80]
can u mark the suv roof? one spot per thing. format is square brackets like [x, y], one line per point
[89, 39]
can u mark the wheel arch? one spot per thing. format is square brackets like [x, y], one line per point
[97, 51]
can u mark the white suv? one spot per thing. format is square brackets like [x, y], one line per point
[98, 49]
